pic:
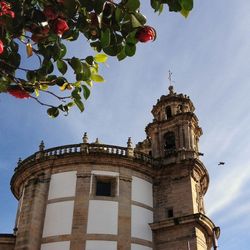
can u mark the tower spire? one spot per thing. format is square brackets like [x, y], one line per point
[171, 87]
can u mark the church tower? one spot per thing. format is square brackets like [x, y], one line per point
[180, 180]
[93, 196]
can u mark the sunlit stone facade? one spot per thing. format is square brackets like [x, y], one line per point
[92, 196]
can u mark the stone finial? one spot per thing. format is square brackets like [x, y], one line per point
[130, 150]
[129, 143]
[19, 161]
[41, 146]
[97, 141]
[15, 230]
[171, 89]
[85, 138]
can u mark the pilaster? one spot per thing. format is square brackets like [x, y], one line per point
[80, 215]
[30, 226]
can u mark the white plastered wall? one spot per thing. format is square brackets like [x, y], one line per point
[139, 247]
[101, 245]
[142, 191]
[58, 218]
[141, 218]
[62, 185]
[102, 217]
[63, 245]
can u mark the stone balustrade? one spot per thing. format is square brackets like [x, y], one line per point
[85, 149]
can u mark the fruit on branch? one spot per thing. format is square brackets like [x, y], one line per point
[60, 26]
[6, 9]
[50, 13]
[145, 34]
[18, 92]
[111, 27]
[1, 47]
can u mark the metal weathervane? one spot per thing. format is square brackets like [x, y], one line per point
[170, 82]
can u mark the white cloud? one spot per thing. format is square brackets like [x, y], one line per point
[227, 188]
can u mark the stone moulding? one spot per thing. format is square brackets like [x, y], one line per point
[198, 218]
[77, 154]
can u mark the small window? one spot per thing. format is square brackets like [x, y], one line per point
[105, 186]
[168, 112]
[169, 212]
[180, 108]
[169, 141]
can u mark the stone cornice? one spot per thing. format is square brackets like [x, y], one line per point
[7, 239]
[198, 218]
[32, 168]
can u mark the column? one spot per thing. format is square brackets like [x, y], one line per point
[124, 214]
[80, 216]
[30, 226]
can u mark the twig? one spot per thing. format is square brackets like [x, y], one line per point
[41, 103]
[61, 98]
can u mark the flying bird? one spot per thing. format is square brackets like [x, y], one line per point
[221, 163]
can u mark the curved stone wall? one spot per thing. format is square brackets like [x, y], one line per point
[75, 216]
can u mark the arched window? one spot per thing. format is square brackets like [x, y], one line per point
[168, 112]
[169, 138]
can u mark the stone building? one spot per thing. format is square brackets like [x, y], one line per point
[92, 196]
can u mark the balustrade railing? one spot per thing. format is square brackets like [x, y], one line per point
[86, 148]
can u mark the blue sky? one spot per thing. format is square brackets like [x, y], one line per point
[209, 55]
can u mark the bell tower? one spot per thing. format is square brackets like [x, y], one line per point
[174, 130]
[181, 180]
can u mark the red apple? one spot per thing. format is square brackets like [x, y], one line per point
[145, 34]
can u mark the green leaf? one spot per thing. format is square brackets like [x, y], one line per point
[53, 112]
[76, 64]
[105, 38]
[186, 4]
[86, 71]
[60, 81]
[86, 92]
[141, 18]
[79, 104]
[75, 93]
[44, 86]
[62, 66]
[100, 58]
[31, 76]
[155, 4]
[89, 5]
[130, 49]
[122, 55]
[185, 13]
[3, 87]
[37, 92]
[133, 5]
[14, 59]
[47, 66]
[113, 50]
[63, 50]
[89, 60]
[90, 83]
[174, 5]
[131, 39]
[135, 22]
[70, 7]
[97, 78]
[98, 6]
[118, 15]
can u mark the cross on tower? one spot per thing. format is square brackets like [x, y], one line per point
[170, 88]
